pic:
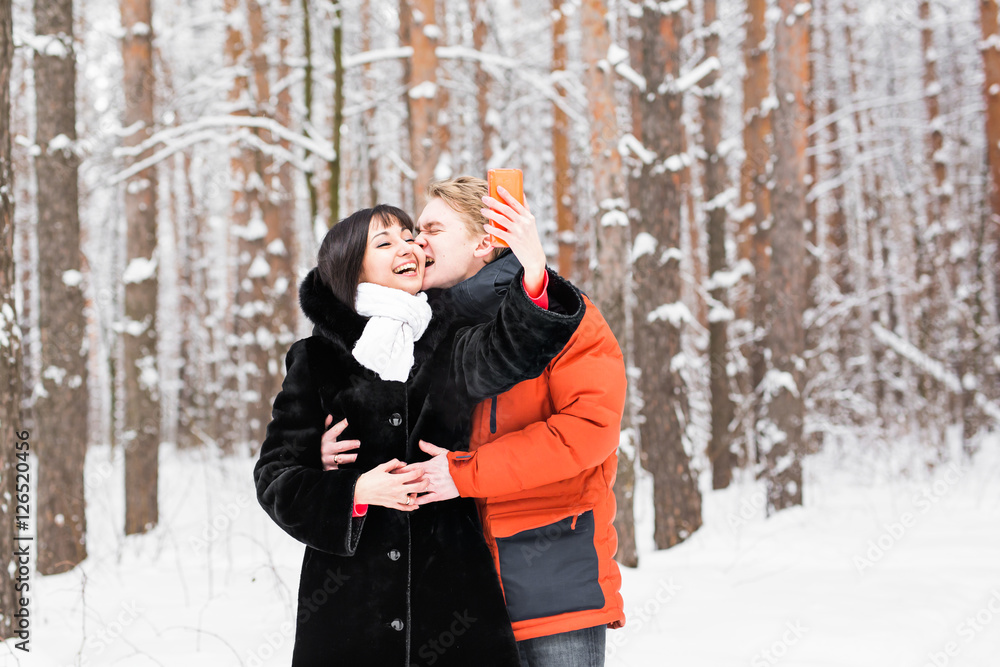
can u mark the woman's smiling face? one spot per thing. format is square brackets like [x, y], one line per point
[393, 258]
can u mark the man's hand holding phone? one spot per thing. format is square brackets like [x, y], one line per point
[512, 223]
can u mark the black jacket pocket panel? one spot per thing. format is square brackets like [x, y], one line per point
[551, 570]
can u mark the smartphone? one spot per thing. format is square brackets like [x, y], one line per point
[513, 181]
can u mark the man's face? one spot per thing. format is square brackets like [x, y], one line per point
[452, 255]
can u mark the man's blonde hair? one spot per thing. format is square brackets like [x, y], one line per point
[465, 195]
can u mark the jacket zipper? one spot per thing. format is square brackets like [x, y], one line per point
[493, 415]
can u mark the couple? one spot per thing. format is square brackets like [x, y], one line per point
[501, 384]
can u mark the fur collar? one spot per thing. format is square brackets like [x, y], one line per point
[330, 316]
[335, 320]
[478, 298]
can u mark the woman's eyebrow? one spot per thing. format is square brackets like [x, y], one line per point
[385, 231]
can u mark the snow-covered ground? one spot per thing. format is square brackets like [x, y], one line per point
[874, 570]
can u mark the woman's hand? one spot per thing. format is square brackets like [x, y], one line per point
[381, 486]
[331, 450]
[521, 235]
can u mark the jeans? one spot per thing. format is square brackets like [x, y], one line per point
[578, 648]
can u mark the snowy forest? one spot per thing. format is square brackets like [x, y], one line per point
[788, 212]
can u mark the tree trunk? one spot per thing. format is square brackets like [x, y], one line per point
[754, 240]
[780, 427]
[61, 409]
[142, 400]
[480, 31]
[563, 177]
[991, 93]
[754, 192]
[368, 120]
[266, 316]
[307, 87]
[338, 112]
[660, 314]
[612, 230]
[719, 453]
[835, 246]
[11, 426]
[423, 99]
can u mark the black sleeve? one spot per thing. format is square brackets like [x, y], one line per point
[312, 505]
[517, 345]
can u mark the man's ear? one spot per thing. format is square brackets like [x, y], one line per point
[483, 248]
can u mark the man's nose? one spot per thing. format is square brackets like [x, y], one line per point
[422, 241]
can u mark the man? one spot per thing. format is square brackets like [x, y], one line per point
[542, 457]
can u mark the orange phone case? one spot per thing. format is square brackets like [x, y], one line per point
[513, 181]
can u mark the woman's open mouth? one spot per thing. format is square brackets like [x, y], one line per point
[408, 269]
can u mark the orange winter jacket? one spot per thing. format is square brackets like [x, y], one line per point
[541, 463]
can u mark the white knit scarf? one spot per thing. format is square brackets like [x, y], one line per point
[398, 320]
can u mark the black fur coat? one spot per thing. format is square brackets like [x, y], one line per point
[395, 589]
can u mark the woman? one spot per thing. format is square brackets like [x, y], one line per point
[388, 585]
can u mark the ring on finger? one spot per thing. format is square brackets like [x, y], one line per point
[336, 459]
[409, 499]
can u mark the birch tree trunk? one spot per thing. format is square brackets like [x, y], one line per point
[780, 431]
[612, 239]
[418, 29]
[660, 314]
[61, 406]
[10, 342]
[142, 400]
[722, 457]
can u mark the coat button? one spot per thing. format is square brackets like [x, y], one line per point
[397, 625]
[395, 419]
[394, 554]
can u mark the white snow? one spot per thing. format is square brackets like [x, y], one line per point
[675, 313]
[696, 74]
[629, 144]
[277, 247]
[720, 313]
[774, 381]
[612, 218]
[729, 279]
[139, 269]
[255, 229]
[644, 244]
[72, 278]
[874, 570]
[54, 373]
[60, 142]
[259, 268]
[432, 31]
[149, 377]
[671, 6]
[426, 89]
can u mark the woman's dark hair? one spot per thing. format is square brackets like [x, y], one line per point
[342, 252]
